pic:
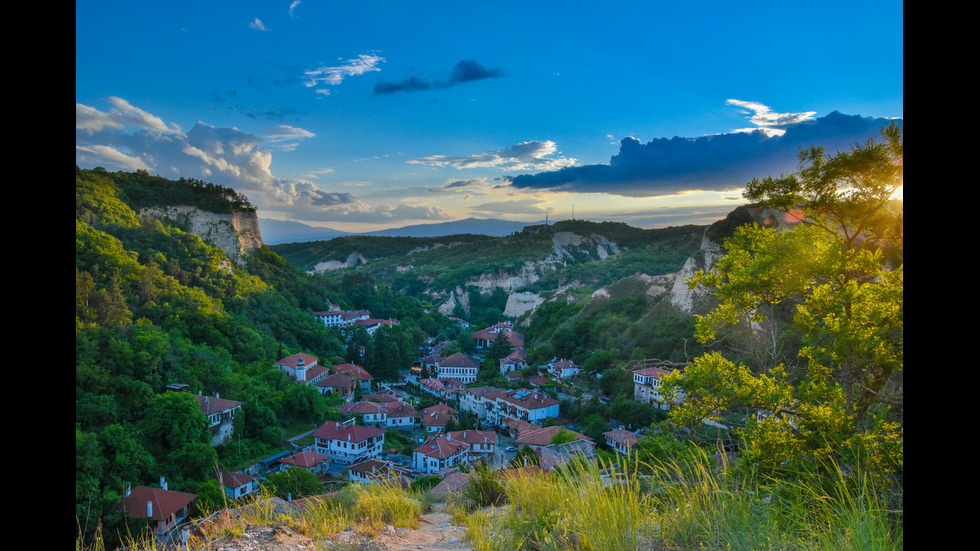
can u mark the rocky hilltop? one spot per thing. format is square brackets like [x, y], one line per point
[236, 233]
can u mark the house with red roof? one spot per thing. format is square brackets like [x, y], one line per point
[539, 437]
[647, 385]
[515, 361]
[564, 369]
[434, 418]
[400, 415]
[370, 470]
[526, 405]
[163, 508]
[439, 453]
[347, 443]
[459, 366]
[482, 442]
[357, 373]
[621, 440]
[310, 461]
[303, 368]
[371, 413]
[220, 413]
[236, 484]
[340, 384]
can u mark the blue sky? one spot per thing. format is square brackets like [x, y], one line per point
[367, 115]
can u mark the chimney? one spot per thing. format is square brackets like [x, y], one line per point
[127, 489]
[163, 483]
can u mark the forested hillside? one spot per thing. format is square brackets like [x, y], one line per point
[155, 305]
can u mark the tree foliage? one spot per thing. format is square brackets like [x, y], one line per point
[836, 268]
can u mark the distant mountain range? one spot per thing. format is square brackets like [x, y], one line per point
[275, 232]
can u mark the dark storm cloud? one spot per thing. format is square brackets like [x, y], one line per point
[466, 70]
[720, 162]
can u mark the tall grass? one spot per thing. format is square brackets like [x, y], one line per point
[575, 508]
[689, 505]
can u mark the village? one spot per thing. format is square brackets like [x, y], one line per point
[354, 450]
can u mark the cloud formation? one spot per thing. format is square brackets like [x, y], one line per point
[335, 74]
[713, 163]
[530, 155]
[466, 70]
[128, 138]
[764, 118]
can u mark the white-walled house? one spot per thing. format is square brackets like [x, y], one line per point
[481, 442]
[476, 400]
[647, 384]
[400, 415]
[564, 369]
[357, 373]
[236, 484]
[621, 440]
[220, 413]
[525, 405]
[348, 443]
[372, 413]
[458, 366]
[439, 453]
[303, 368]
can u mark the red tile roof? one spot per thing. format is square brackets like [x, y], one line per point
[622, 436]
[293, 361]
[332, 430]
[354, 371]
[212, 404]
[304, 459]
[440, 447]
[165, 502]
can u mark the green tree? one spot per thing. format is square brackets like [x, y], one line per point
[293, 483]
[836, 267]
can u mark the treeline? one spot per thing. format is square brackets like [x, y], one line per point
[156, 305]
[139, 190]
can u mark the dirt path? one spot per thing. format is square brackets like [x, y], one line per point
[435, 532]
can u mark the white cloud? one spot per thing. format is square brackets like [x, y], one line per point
[334, 75]
[257, 25]
[92, 120]
[128, 138]
[530, 155]
[292, 8]
[772, 123]
[115, 157]
[286, 132]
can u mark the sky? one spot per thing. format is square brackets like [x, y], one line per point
[360, 116]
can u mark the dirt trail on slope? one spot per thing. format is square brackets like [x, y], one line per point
[435, 532]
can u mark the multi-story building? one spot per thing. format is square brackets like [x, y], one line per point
[525, 405]
[459, 366]
[439, 453]
[304, 368]
[347, 443]
[476, 400]
[647, 384]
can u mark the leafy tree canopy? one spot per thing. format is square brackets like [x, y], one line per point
[837, 270]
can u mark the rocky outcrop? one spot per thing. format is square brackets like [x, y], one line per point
[695, 300]
[353, 259]
[237, 234]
